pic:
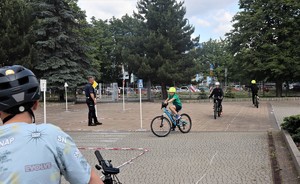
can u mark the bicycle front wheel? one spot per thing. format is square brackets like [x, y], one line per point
[160, 126]
[215, 110]
[185, 123]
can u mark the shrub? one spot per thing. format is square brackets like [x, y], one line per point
[202, 95]
[229, 93]
[292, 125]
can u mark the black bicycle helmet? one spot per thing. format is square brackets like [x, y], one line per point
[19, 89]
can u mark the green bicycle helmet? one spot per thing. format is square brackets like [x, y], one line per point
[19, 89]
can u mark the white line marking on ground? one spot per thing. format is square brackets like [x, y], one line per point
[234, 119]
[207, 169]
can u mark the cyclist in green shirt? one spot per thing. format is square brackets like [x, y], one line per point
[173, 97]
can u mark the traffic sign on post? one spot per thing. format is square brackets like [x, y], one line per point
[140, 83]
[43, 85]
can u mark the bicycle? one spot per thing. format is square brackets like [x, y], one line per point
[256, 102]
[217, 109]
[109, 172]
[161, 125]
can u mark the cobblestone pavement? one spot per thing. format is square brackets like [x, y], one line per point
[237, 116]
[232, 149]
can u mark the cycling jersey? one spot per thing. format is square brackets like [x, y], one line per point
[40, 154]
[217, 92]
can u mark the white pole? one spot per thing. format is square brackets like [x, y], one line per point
[141, 113]
[100, 90]
[96, 110]
[44, 106]
[123, 94]
[66, 99]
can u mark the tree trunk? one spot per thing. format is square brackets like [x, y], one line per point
[278, 88]
[61, 95]
[286, 88]
[149, 95]
[263, 88]
[164, 92]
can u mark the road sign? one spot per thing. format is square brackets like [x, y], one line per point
[95, 84]
[140, 83]
[43, 85]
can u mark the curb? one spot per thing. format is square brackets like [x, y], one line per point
[295, 153]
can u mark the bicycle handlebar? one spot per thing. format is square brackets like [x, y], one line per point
[163, 104]
[106, 165]
[98, 155]
[218, 98]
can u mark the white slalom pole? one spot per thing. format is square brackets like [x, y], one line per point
[66, 90]
[141, 111]
[123, 94]
[44, 106]
[96, 109]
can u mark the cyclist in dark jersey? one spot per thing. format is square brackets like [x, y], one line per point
[254, 89]
[218, 95]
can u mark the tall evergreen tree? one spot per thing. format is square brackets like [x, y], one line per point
[15, 24]
[265, 40]
[60, 51]
[163, 43]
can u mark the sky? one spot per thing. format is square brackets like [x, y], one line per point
[211, 18]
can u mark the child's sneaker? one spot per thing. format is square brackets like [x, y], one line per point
[177, 117]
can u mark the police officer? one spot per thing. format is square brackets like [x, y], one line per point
[90, 94]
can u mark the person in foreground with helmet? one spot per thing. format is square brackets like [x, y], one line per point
[218, 95]
[174, 99]
[254, 89]
[32, 153]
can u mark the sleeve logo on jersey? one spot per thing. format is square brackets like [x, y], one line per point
[38, 167]
[6, 142]
[62, 139]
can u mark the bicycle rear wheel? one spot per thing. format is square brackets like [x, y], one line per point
[160, 126]
[256, 102]
[185, 123]
[215, 110]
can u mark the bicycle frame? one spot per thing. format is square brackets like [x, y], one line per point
[169, 114]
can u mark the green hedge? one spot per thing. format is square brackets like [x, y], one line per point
[229, 93]
[292, 125]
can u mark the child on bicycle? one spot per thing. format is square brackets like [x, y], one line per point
[173, 97]
[218, 94]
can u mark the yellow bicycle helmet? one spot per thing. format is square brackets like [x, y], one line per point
[172, 90]
[253, 82]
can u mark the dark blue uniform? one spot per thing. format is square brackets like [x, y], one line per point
[91, 104]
